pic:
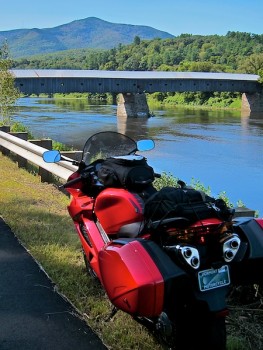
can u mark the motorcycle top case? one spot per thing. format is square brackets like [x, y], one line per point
[138, 276]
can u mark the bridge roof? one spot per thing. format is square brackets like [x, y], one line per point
[68, 73]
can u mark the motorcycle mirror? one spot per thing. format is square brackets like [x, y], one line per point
[145, 145]
[51, 156]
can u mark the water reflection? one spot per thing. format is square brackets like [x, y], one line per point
[136, 128]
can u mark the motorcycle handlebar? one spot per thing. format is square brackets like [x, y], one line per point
[71, 182]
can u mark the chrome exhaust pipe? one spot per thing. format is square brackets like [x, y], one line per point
[190, 255]
[186, 254]
[231, 245]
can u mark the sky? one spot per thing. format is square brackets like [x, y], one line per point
[176, 17]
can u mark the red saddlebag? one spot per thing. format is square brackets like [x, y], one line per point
[138, 276]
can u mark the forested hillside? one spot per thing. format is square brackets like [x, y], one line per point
[234, 52]
[90, 32]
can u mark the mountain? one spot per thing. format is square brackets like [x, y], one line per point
[90, 32]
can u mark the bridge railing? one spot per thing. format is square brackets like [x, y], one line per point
[31, 151]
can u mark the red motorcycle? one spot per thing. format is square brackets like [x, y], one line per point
[167, 257]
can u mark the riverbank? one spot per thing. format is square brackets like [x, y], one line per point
[214, 100]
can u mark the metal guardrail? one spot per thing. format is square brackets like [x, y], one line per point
[33, 153]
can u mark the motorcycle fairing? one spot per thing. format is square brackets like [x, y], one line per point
[137, 276]
[91, 244]
[80, 203]
[123, 208]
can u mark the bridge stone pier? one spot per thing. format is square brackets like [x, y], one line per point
[252, 102]
[132, 105]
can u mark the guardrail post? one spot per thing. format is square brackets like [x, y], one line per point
[45, 175]
[45, 143]
[5, 128]
[243, 212]
[21, 161]
[5, 151]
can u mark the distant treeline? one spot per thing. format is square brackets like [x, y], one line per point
[234, 52]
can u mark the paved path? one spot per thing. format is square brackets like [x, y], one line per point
[32, 315]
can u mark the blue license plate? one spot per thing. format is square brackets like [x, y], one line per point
[213, 278]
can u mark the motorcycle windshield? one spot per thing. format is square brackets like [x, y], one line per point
[107, 144]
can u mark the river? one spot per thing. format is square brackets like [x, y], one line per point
[222, 149]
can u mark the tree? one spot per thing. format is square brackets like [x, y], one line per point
[253, 64]
[8, 92]
[137, 40]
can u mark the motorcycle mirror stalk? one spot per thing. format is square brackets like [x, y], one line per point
[54, 156]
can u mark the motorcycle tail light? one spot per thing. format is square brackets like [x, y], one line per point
[197, 233]
[231, 244]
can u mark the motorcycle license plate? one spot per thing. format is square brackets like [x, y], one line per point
[213, 278]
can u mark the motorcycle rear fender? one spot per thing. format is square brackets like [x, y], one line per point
[215, 299]
[138, 276]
